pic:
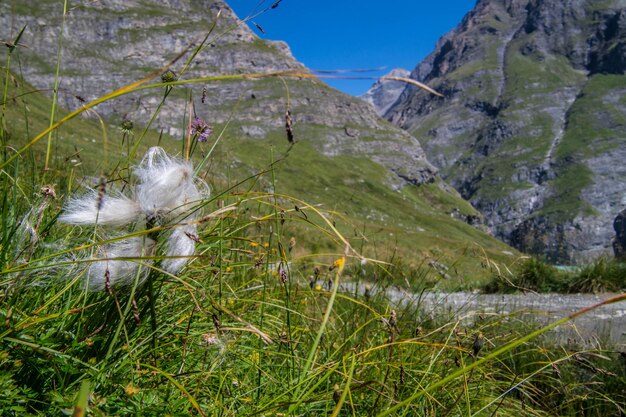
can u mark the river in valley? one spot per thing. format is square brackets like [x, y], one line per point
[604, 324]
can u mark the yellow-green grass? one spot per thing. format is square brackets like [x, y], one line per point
[413, 222]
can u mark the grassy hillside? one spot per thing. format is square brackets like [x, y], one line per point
[412, 224]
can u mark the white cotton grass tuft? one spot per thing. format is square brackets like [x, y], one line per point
[166, 188]
[165, 195]
[181, 244]
[108, 271]
[115, 210]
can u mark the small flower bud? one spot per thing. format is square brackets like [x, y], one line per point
[127, 126]
[48, 191]
[169, 76]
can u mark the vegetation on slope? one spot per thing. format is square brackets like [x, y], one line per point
[412, 223]
[533, 275]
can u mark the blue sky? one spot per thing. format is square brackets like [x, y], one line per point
[342, 35]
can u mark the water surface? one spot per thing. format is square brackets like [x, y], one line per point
[605, 323]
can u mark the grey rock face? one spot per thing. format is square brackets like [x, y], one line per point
[384, 93]
[109, 43]
[619, 243]
[531, 129]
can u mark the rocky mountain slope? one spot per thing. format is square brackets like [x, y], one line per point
[106, 44]
[384, 92]
[532, 129]
[346, 157]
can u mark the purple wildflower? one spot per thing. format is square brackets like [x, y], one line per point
[201, 129]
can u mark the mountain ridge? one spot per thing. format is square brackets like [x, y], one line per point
[534, 91]
[105, 44]
[384, 93]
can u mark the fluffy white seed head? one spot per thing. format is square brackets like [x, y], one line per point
[115, 210]
[166, 187]
[180, 247]
[124, 272]
[166, 191]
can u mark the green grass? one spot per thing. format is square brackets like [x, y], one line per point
[409, 221]
[602, 5]
[593, 120]
[531, 274]
[58, 339]
[536, 74]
